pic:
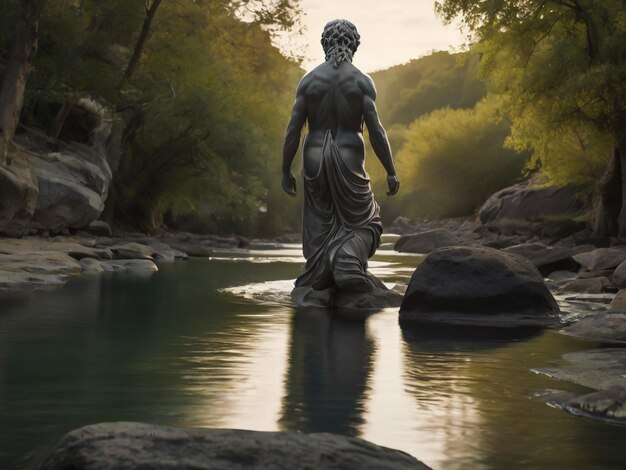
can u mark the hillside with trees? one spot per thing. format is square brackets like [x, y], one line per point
[448, 135]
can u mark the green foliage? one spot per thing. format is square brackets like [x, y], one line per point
[435, 81]
[202, 117]
[204, 113]
[560, 65]
[453, 160]
[448, 144]
[216, 95]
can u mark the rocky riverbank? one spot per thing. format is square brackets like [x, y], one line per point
[585, 273]
[34, 262]
[542, 227]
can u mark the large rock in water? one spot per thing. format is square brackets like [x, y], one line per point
[601, 258]
[425, 242]
[478, 286]
[126, 446]
[546, 259]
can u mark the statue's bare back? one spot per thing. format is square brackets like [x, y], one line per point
[334, 101]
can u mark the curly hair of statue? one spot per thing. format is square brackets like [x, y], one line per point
[340, 41]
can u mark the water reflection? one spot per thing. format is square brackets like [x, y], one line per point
[186, 348]
[445, 338]
[330, 360]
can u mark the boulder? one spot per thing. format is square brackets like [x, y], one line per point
[164, 252]
[478, 286]
[618, 304]
[78, 251]
[132, 250]
[606, 328]
[99, 228]
[608, 273]
[619, 276]
[546, 259]
[51, 185]
[126, 446]
[57, 244]
[137, 266]
[594, 285]
[532, 201]
[64, 203]
[28, 270]
[425, 242]
[46, 262]
[561, 227]
[91, 266]
[21, 280]
[601, 258]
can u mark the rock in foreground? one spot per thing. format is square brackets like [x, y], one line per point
[126, 446]
[478, 286]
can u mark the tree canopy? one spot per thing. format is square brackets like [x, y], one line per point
[198, 96]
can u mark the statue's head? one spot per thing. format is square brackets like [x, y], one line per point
[340, 41]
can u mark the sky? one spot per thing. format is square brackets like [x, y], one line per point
[392, 31]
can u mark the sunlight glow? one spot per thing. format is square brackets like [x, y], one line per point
[392, 32]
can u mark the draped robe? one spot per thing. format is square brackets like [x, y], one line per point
[341, 220]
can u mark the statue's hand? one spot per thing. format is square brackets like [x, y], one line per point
[289, 184]
[394, 185]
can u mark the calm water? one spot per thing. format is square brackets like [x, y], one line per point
[175, 348]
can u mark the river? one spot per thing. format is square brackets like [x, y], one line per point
[211, 343]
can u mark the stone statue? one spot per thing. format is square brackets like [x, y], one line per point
[342, 225]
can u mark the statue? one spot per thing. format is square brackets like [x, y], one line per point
[342, 225]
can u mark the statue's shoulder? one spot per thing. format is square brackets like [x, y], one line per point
[306, 81]
[367, 85]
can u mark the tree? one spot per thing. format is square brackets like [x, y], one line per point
[17, 71]
[560, 64]
[203, 103]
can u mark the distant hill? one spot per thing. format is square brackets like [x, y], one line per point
[448, 138]
[440, 80]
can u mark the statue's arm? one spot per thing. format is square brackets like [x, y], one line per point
[378, 136]
[292, 140]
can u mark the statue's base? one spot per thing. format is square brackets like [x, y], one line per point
[378, 297]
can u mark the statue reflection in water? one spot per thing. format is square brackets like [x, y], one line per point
[342, 225]
[330, 364]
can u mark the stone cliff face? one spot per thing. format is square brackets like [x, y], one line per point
[50, 185]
